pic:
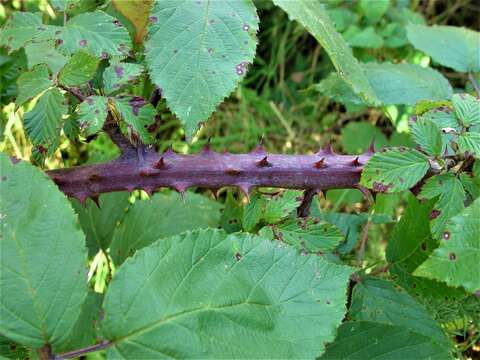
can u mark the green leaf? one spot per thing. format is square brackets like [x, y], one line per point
[44, 52]
[252, 215]
[84, 333]
[406, 83]
[314, 18]
[358, 136]
[43, 122]
[469, 142]
[198, 52]
[281, 205]
[427, 134]
[23, 27]
[232, 215]
[450, 46]
[358, 340]
[378, 300]
[79, 69]
[308, 235]
[365, 38]
[119, 74]
[231, 296]
[32, 83]
[374, 10]
[456, 260]
[96, 33]
[349, 224]
[451, 197]
[159, 217]
[394, 170]
[42, 272]
[393, 84]
[92, 113]
[98, 222]
[467, 109]
[411, 232]
[138, 114]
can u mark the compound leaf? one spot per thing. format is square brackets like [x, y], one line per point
[32, 83]
[162, 216]
[279, 206]
[451, 197]
[427, 134]
[197, 52]
[79, 69]
[119, 74]
[394, 170]
[469, 142]
[43, 122]
[138, 114]
[96, 33]
[456, 260]
[92, 113]
[450, 46]
[215, 295]
[308, 234]
[42, 272]
[467, 109]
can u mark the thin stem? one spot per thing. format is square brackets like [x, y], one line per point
[474, 83]
[76, 353]
[303, 209]
[363, 243]
[75, 92]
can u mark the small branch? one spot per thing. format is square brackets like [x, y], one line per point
[112, 129]
[363, 243]
[45, 353]
[304, 208]
[474, 83]
[381, 270]
[75, 92]
[76, 353]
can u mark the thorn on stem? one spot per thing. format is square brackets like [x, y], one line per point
[356, 162]
[320, 163]
[231, 171]
[159, 164]
[264, 162]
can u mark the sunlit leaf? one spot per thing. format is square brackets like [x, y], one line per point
[197, 52]
[215, 295]
[456, 260]
[43, 267]
[394, 170]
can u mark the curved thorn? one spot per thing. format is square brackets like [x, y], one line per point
[169, 151]
[95, 200]
[356, 162]
[320, 163]
[264, 162]
[371, 148]
[159, 164]
[82, 198]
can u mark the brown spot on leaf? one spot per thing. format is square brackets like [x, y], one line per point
[434, 214]
[238, 256]
[452, 256]
[82, 43]
[379, 187]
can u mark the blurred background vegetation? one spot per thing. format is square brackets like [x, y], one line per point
[280, 103]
